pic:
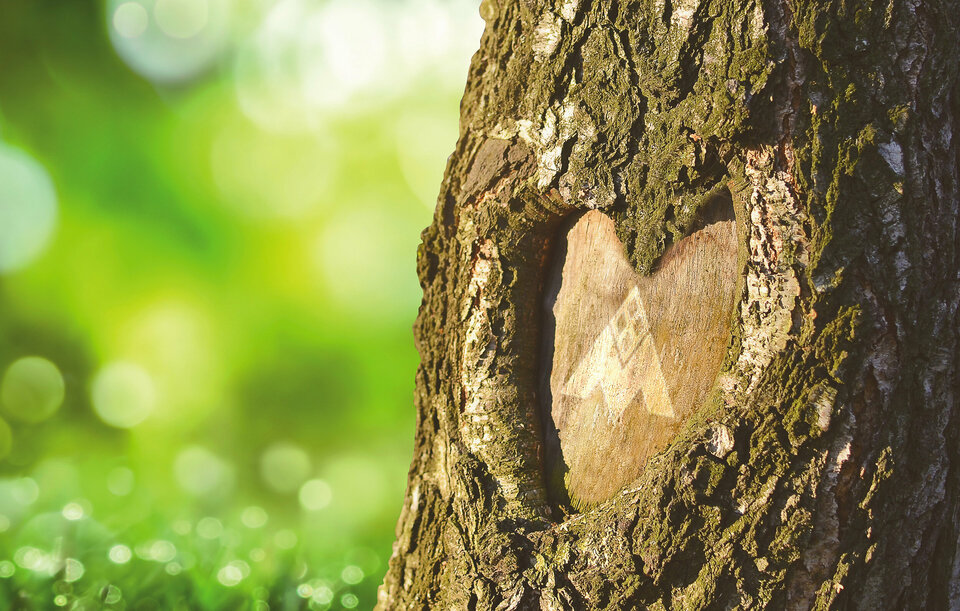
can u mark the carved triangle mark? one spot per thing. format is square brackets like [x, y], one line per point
[623, 362]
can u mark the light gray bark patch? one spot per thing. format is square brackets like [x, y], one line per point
[893, 155]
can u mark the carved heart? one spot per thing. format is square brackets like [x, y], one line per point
[632, 355]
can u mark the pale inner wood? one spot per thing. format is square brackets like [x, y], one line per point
[634, 355]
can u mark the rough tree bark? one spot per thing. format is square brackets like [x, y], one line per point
[824, 470]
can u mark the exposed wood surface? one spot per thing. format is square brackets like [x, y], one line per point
[633, 355]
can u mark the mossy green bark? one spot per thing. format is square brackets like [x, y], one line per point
[833, 126]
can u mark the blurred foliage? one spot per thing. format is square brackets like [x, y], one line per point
[209, 212]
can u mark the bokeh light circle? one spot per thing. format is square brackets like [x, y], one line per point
[315, 495]
[28, 209]
[173, 338]
[73, 570]
[161, 551]
[322, 594]
[120, 481]
[352, 574]
[120, 554]
[209, 527]
[169, 41]
[230, 575]
[285, 539]
[123, 394]
[201, 472]
[284, 466]
[23, 491]
[361, 487]
[181, 18]
[338, 57]
[32, 390]
[308, 57]
[254, 517]
[111, 595]
[73, 511]
[130, 19]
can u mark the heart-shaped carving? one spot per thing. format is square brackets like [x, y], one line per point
[632, 355]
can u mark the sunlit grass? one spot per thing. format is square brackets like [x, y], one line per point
[67, 556]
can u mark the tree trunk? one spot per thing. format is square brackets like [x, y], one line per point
[822, 468]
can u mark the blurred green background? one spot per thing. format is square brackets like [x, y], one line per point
[209, 212]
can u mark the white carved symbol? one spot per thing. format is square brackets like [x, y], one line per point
[623, 361]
